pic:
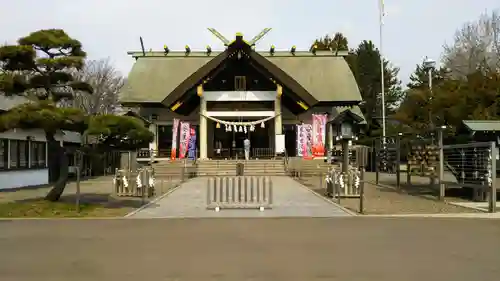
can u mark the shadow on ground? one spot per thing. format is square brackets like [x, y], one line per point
[103, 200]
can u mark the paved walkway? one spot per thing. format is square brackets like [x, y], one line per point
[291, 199]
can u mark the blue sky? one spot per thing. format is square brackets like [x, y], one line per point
[108, 28]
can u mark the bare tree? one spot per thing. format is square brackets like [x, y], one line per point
[476, 46]
[106, 82]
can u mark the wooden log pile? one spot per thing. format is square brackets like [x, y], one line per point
[423, 160]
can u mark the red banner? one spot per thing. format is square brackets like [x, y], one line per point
[318, 134]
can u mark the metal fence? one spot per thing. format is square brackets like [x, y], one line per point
[469, 166]
[239, 192]
[473, 166]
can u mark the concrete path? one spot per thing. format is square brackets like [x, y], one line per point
[291, 199]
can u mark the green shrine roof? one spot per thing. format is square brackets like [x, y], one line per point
[162, 76]
[482, 125]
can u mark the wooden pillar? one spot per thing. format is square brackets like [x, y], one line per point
[203, 123]
[278, 123]
[278, 126]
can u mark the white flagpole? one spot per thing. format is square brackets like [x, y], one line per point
[382, 82]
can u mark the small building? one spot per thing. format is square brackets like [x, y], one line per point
[23, 153]
[271, 92]
[483, 131]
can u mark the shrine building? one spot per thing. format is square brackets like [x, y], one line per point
[238, 92]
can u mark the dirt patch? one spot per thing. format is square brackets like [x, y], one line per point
[387, 200]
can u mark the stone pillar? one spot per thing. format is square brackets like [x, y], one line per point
[153, 128]
[203, 123]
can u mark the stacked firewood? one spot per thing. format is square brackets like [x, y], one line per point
[423, 159]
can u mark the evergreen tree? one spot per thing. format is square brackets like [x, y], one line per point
[39, 67]
[43, 67]
[365, 64]
[337, 43]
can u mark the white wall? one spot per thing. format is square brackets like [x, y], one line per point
[23, 178]
[243, 96]
[30, 177]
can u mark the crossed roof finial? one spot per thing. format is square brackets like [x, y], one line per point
[251, 42]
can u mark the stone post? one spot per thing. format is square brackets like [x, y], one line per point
[153, 146]
[329, 128]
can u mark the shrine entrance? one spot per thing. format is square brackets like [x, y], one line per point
[229, 140]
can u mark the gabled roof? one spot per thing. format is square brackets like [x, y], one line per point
[152, 79]
[355, 112]
[482, 125]
[325, 77]
[131, 113]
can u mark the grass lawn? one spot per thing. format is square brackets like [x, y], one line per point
[44, 209]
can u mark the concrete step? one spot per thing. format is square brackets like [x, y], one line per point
[245, 167]
[202, 174]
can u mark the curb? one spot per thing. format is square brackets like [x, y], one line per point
[152, 202]
[441, 216]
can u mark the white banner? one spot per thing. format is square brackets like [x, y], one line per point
[307, 140]
[299, 140]
[184, 139]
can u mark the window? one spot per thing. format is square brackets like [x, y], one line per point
[240, 83]
[23, 153]
[19, 156]
[4, 154]
[38, 154]
[14, 154]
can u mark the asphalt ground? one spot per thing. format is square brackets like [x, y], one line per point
[341, 248]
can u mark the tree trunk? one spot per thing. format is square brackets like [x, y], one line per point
[53, 157]
[58, 168]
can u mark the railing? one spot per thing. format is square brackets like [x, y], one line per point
[285, 161]
[222, 153]
[239, 192]
[263, 153]
[150, 154]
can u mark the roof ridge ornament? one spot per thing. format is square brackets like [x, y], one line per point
[219, 36]
[259, 36]
[252, 42]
